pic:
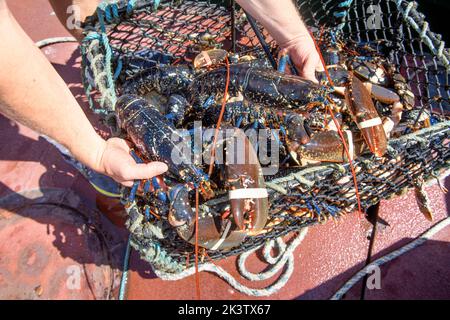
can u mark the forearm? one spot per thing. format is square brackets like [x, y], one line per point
[280, 18]
[32, 93]
[71, 13]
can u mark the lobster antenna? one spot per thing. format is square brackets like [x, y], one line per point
[261, 39]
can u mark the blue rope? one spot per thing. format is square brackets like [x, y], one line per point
[343, 14]
[156, 4]
[118, 69]
[108, 58]
[340, 14]
[86, 85]
[124, 278]
[130, 6]
[115, 10]
[345, 4]
[91, 36]
[101, 18]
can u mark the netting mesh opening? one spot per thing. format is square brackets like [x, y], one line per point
[176, 31]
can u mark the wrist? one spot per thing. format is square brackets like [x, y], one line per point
[299, 39]
[90, 152]
[97, 155]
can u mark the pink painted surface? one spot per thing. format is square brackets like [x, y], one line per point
[329, 255]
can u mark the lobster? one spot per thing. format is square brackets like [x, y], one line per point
[156, 138]
[258, 85]
[248, 198]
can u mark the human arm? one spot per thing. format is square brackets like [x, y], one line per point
[283, 22]
[32, 93]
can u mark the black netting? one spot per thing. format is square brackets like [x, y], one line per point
[177, 31]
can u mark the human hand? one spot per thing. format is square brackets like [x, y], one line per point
[115, 161]
[304, 56]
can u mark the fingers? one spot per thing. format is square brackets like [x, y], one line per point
[140, 171]
[119, 164]
[319, 67]
[128, 184]
[308, 70]
[305, 57]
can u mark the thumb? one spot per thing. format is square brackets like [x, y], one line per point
[141, 171]
[308, 70]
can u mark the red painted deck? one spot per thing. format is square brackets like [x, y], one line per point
[42, 248]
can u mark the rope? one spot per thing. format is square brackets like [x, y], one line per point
[49, 41]
[391, 256]
[101, 72]
[346, 4]
[285, 259]
[124, 278]
[411, 17]
[103, 77]
[152, 245]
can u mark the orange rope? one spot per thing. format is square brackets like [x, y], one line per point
[211, 259]
[197, 275]
[219, 121]
[338, 126]
[352, 168]
[211, 166]
[321, 59]
[157, 216]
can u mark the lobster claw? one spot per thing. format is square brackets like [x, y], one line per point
[248, 195]
[366, 116]
[180, 211]
[297, 133]
[210, 58]
[327, 146]
[213, 232]
[155, 137]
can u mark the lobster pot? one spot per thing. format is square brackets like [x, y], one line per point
[125, 37]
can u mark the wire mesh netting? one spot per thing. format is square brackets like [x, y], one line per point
[123, 40]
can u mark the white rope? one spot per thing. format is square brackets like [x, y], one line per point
[285, 258]
[391, 256]
[55, 40]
